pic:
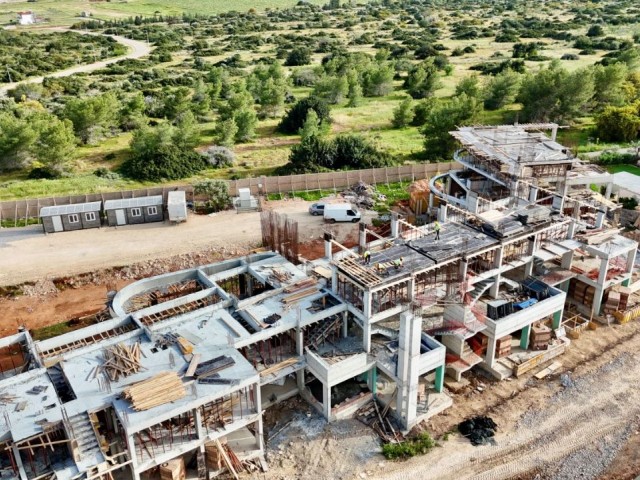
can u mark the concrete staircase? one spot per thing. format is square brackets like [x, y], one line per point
[323, 330]
[478, 290]
[65, 393]
[88, 449]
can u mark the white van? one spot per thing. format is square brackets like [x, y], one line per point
[341, 212]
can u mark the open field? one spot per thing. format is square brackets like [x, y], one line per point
[65, 12]
[624, 168]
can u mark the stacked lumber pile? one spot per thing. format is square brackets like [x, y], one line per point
[503, 346]
[300, 290]
[540, 337]
[281, 276]
[121, 360]
[173, 470]
[160, 389]
[279, 366]
[594, 237]
[213, 455]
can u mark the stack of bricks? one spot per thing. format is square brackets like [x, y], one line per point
[503, 346]
[540, 337]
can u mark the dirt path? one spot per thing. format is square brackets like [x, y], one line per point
[137, 49]
[26, 254]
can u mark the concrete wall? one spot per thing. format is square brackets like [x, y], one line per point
[518, 320]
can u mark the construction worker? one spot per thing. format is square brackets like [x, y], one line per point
[436, 228]
[398, 263]
[367, 257]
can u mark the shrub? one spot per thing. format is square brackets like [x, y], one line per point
[628, 203]
[409, 448]
[298, 56]
[166, 162]
[219, 157]
[615, 158]
[296, 115]
[402, 114]
[570, 56]
[217, 193]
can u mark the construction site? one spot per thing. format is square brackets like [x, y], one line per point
[515, 258]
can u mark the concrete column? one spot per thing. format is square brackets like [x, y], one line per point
[533, 193]
[439, 384]
[609, 190]
[442, 213]
[602, 278]
[197, 417]
[395, 227]
[326, 401]
[408, 355]
[489, 356]
[524, 337]
[366, 336]
[600, 218]
[430, 201]
[411, 288]
[566, 259]
[16, 456]
[557, 319]
[362, 237]
[133, 455]
[249, 278]
[372, 379]
[334, 279]
[327, 246]
[345, 324]
[257, 395]
[299, 341]
[631, 260]
[554, 132]
[366, 304]
[571, 231]
[493, 290]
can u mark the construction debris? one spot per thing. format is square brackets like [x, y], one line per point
[377, 417]
[478, 429]
[160, 389]
[121, 360]
[210, 367]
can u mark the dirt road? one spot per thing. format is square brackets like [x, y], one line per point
[26, 254]
[137, 49]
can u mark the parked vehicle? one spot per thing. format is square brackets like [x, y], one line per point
[317, 208]
[341, 212]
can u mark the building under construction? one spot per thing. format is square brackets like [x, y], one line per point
[178, 379]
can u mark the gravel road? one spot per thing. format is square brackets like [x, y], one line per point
[137, 49]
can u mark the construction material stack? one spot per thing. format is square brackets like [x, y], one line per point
[173, 470]
[503, 346]
[612, 304]
[157, 390]
[540, 337]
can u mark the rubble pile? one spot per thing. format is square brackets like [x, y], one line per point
[362, 195]
[478, 429]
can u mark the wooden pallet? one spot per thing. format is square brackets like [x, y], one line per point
[361, 274]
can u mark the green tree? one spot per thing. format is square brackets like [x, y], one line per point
[201, 99]
[609, 85]
[226, 131]
[554, 94]
[403, 114]
[331, 89]
[595, 31]
[187, 132]
[55, 144]
[298, 56]
[377, 80]
[311, 126]
[470, 86]
[354, 92]
[176, 101]
[92, 117]
[445, 117]
[619, 124]
[423, 80]
[296, 116]
[246, 121]
[501, 90]
[16, 139]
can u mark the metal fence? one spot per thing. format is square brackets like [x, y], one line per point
[20, 211]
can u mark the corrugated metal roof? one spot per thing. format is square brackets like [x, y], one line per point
[67, 209]
[133, 202]
[177, 196]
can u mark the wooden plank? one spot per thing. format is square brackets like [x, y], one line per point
[537, 360]
[195, 360]
[226, 459]
[546, 371]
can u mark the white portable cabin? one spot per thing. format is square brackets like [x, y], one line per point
[177, 206]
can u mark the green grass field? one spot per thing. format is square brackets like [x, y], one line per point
[624, 168]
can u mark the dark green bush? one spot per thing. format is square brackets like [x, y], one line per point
[167, 162]
[296, 115]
